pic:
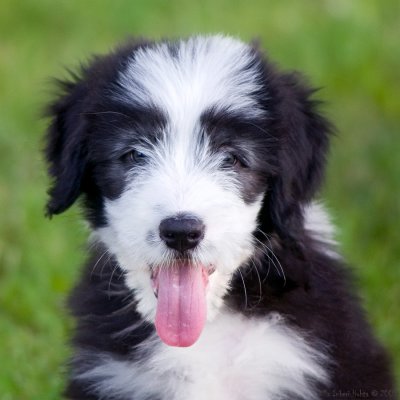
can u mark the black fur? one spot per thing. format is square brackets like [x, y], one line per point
[316, 294]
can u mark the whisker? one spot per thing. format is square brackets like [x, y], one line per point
[129, 329]
[245, 290]
[269, 252]
[105, 112]
[259, 282]
[266, 251]
[110, 280]
[276, 258]
[260, 295]
[256, 126]
[97, 262]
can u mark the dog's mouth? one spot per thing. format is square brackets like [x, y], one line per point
[181, 301]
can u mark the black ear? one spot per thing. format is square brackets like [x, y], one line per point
[65, 148]
[303, 134]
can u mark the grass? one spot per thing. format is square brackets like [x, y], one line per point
[350, 48]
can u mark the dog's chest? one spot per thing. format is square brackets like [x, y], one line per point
[235, 358]
[224, 364]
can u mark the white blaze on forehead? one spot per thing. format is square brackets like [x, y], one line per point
[186, 78]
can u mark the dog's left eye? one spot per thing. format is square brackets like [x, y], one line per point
[229, 160]
[134, 157]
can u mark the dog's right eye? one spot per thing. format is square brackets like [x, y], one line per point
[229, 160]
[134, 157]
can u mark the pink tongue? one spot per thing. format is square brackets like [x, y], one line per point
[181, 306]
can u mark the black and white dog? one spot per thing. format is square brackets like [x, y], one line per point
[212, 275]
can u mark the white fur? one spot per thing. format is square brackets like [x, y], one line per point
[234, 359]
[204, 71]
[318, 223]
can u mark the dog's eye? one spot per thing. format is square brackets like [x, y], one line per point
[229, 160]
[134, 157]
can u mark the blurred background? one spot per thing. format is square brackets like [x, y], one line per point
[349, 48]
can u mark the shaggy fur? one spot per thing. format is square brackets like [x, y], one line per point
[206, 127]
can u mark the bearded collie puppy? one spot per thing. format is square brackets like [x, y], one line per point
[212, 274]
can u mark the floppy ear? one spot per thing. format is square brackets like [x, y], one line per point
[304, 138]
[65, 148]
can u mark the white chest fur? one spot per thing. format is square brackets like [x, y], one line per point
[235, 358]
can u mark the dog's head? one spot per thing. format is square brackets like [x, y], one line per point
[186, 154]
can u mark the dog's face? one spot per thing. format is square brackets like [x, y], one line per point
[185, 153]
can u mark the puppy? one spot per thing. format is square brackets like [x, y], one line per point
[212, 273]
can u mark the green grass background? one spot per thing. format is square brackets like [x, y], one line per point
[351, 48]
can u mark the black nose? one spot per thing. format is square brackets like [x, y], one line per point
[183, 232]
